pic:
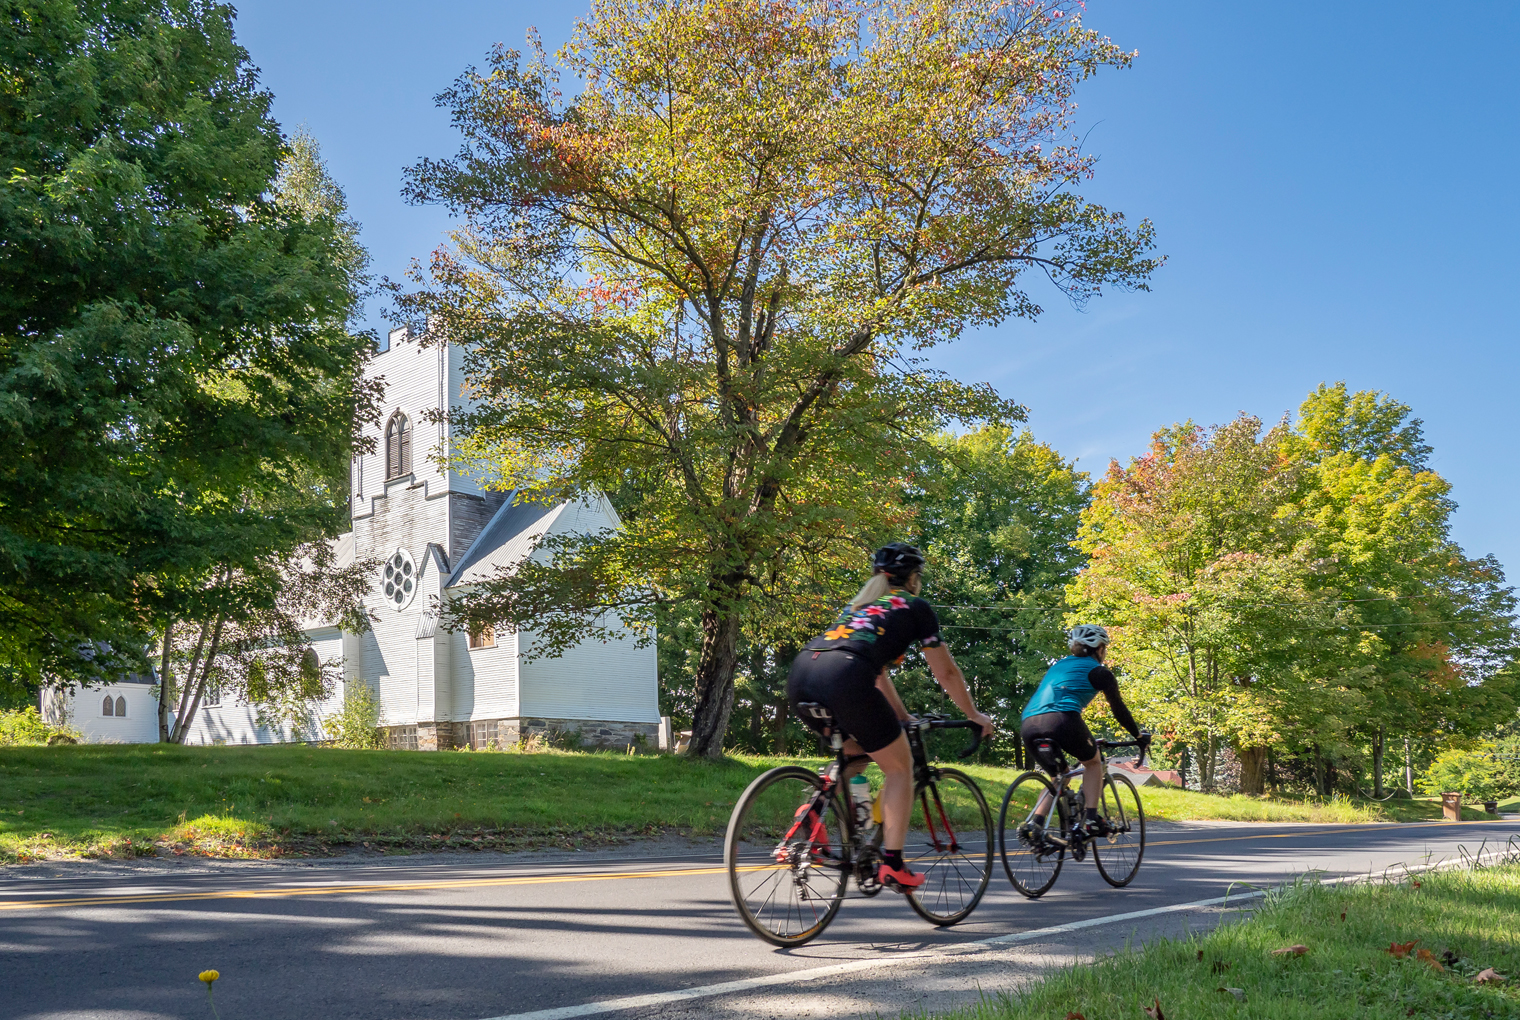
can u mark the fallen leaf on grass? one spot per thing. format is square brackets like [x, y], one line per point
[1075, 1016]
[1416, 885]
[1219, 965]
[1343, 915]
[1154, 1012]
[1401, 949]
[1426, 956]
[1200, 956]
[1290, 951]
[1239, 993]
[1488, 976]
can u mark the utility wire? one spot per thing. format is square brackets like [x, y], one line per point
[1231, 605]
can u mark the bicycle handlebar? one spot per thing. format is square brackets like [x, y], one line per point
[936, 722]
[1143, 742]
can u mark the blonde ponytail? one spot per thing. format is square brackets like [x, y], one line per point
[875, 588]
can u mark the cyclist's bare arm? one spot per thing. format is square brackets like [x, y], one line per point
[942, 665]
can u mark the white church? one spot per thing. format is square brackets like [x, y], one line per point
[435, 533]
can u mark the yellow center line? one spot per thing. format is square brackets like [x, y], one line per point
[480, 883]
[344, 890]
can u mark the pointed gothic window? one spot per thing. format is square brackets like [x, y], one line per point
[108, 706]
[121, 707]
[398, 447]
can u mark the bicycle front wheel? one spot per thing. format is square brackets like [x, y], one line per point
[1118, 854]
[1031, 857]
[949, 843]
[785, 854]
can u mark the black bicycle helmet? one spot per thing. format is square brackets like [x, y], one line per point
[898, 560]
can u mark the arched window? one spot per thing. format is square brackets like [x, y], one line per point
[108, 707]
[398, 447]
[121, 707]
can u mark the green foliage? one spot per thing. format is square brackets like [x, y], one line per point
[356, 725]
[23, 727]
[1486, 772]
[997, 515]
[699, 286]
[1298, 589]
[1202, 579]
[174, 347]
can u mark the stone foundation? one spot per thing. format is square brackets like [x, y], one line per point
[500, 734]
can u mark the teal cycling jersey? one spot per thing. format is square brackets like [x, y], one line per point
[1072, 683]
[1065, 687]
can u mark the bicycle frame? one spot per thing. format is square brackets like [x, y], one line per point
[1063, 781]
[854, 856]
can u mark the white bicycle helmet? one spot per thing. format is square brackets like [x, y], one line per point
[1089, 635]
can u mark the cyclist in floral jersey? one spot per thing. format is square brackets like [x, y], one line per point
[845, 670]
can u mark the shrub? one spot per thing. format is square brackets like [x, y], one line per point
[1485, 772]
[356, 724]
[23, 727]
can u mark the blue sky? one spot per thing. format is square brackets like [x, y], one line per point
[1335, 186]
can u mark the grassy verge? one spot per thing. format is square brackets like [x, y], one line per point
[1462, 923]
[122, 800]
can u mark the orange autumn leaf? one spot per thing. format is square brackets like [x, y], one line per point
[1075, 1016]
[1401, 949]
[1425, 956]
[1487, 976]
[1154, 1012]
[1290, 951]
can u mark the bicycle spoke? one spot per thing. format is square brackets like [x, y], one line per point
[1118, 854]
[784, 857]
[950, 844]
[1030, 858]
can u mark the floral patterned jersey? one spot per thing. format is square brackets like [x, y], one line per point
[882, 631]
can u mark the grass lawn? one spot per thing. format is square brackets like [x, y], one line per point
[126, 799]
[1462, 923]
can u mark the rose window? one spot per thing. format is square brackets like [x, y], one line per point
[399, 578]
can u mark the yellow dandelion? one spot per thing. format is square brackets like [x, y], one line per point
[209, 976]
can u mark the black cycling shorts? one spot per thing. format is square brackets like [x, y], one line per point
[1067, 730]
[844, 682]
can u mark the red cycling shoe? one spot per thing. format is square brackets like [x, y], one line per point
[899, 878]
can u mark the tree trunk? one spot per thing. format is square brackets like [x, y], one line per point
[165, 683]
[785, 653]
[716, 665]
[1408, 771]
[1377, 763]
[1319, 772]
[1253, 762]
[182, 723]
[1182, 765]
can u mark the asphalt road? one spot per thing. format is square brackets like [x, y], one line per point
[478, 937]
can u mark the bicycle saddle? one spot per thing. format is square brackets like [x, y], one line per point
[813, 710]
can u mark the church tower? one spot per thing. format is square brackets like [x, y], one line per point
[434, 532]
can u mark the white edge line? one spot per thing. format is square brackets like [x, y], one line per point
[787, 977]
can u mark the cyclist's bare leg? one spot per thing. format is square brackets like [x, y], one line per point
[896, 763]
[1092, 780]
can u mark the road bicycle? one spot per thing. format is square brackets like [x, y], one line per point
[796, 837]
[1032, 853]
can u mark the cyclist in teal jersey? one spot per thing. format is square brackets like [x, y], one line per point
[1054, 714]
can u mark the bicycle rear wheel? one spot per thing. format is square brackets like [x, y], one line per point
[949, 843]
[1118, 854]
[785, 854]
[1031, 859]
